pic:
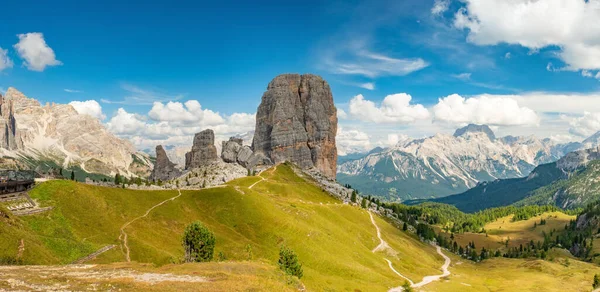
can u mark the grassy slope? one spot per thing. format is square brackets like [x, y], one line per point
[519, 232]
[501, 274]
[333, 240]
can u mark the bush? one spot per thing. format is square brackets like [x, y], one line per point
[198, 242]
[288, 262]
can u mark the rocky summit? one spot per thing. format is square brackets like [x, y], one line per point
[203, 151]
[297, 121]
[164, 169]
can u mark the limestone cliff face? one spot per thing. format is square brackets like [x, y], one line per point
[8, 125]
[164, 169]
[297, 121]
[204, 151]
[59, 133]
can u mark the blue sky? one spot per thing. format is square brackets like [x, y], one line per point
[129, 55]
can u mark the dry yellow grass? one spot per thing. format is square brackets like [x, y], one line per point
[517, 233]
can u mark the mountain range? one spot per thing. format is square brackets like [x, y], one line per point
[57, 136]
[444, 164]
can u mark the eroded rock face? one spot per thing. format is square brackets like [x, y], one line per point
[164, 169]
[297, 121]
[8, 125]
[203, 151]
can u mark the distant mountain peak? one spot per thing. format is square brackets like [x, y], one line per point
[594, 139]
[472, 128]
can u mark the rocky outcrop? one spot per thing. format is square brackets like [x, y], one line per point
[203, 151]
[233, 151]
[8, 125]
[164, 169]
[297, 121]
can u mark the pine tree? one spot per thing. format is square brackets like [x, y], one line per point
[406, 287]
[288, 262]
[404, 227]
[353, 197]
[364, 203]
[117, 179]
[198, 242]
[72, 175]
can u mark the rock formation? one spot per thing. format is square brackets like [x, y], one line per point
[297, 121]
[233, 151]
[164, 169]
[8, 125]
[203, 151]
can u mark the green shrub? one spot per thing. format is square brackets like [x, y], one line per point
[288, 262]
[198, 242]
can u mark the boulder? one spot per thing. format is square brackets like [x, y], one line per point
[203, 151]
[297, 121]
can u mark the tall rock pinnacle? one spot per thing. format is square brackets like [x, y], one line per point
[203, 151]
[297, 121]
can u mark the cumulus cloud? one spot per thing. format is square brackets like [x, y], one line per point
[440, 6]
[498, 111]
[341, 114]
[175, 123]
[190, 111]
[571, 25]
[34, 51]
[395, 108]
[352, 141]
[584, 126]
[5, 61]
[89, 107]
[507, 55]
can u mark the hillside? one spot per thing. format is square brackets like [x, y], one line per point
[338, 244]
[333, 240]
[569, 183]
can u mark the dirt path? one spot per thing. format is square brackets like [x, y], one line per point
[123, 235]
[383, 245]
[262, 178]
[428, 279]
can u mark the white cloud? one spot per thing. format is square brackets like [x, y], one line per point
[368, 85]
[597, 75]
[499, 111]
[175, 123]
[357, 59]
[439, 7]
[5, 61]
[462, 76]
[124, 123]
[395, 108]
[34, 51]
[571, 25]
[507, 55]
[352, 141]
[341, 114]
[72, 90]
[190, 111]
[88, 107]
[586, 73]
[584, 126]
[141, 96]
